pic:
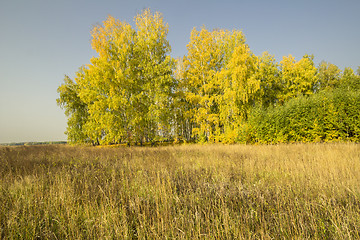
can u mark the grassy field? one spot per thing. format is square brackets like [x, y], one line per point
[298, 191]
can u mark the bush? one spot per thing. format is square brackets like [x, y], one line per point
[323, 117]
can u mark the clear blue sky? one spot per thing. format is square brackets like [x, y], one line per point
[42, 40]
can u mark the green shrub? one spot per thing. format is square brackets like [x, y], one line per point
[323, 117]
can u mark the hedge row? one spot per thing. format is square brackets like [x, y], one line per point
[323, 117]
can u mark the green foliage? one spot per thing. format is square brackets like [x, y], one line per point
[326, 116]
[349, 81]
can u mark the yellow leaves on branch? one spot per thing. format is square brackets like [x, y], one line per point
[126, 90]
[242, 68]
[298, 78]
[218, 78]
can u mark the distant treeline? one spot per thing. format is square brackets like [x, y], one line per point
[134, 92]
[33, 143]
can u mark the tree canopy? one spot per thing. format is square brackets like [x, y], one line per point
[220, 91]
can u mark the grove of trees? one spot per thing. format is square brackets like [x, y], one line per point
[135, 92]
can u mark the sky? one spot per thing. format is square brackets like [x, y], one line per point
[43, 40]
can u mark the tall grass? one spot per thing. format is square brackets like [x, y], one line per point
[183, 192]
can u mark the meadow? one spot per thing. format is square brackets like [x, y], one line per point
[294, 191]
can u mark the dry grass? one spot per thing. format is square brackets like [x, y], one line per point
[183, 192]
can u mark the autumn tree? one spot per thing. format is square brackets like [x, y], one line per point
[126, 89]
[75, 110]
[239, 90]
[269, 75]
[209, 53]
[298, 78]
[328, 76]
[182, 108]
[201, 64]
[154, 78]
[222, 81]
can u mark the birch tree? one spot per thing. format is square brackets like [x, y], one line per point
[126, 89]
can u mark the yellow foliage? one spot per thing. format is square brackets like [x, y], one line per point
[298, 78]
